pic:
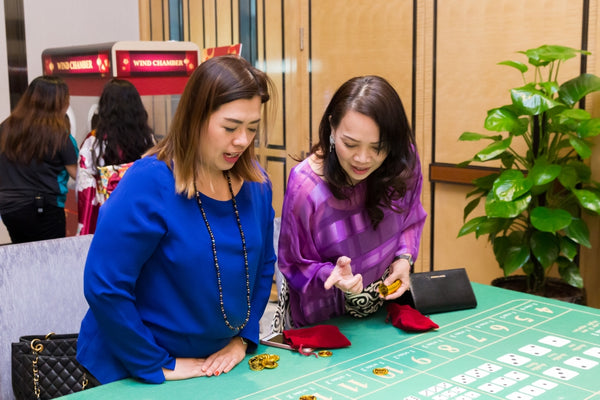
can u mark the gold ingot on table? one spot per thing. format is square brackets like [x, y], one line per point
[308, 397]
[325, 353]
[262, 361]
[380, 371]
[385, 290]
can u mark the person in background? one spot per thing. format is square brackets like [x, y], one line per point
[37, 157]
[179, 270]
[121, 136]
[352, 216]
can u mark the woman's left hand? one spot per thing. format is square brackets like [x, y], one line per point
[225, 359]
[399, 269]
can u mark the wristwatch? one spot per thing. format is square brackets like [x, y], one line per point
[406, 257]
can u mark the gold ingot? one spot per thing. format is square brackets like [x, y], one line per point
[325, 353]
[308, 397]
[385, 290]
[380, 371]
[262, 361]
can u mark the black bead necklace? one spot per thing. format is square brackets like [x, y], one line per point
[214, 251]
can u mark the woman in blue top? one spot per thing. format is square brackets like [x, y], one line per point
[180, 268]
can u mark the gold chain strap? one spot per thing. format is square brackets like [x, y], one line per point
[37, 347]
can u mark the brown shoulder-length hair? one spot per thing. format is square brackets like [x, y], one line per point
[374, 97]
[38, 126]
[215, 82]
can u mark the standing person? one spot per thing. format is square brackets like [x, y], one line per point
[37, 156]
[352, 216]
[179, 270]
[122, 135]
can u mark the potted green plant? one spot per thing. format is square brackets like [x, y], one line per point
[535, 199]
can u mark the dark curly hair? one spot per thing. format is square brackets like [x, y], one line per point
[374, 97]
[122, 133]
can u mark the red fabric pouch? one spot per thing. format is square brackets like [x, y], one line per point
[315, 337]
[408, 319]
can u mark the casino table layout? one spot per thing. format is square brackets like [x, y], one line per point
[511, 346]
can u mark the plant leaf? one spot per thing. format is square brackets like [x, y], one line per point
[543, 172]
[568, 248]
[577, 88]
[531, 101]
[474, 136]
[581, 147]
[579, 232]
[510, 185]
[470, 207]
[515, 64]
[516, 256]
[504, 119]
[547, 53]
[493, 150]
[505, 209]
[588, 199]
[589, 128]
[545, 247]
[569, 272]
[550, 220]
[481, 226]
[568, 177]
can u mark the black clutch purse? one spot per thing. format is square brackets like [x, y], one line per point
[441, 291]
[44, 367]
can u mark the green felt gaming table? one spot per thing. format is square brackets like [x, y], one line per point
[511, 346]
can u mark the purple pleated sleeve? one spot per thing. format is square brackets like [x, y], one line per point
[317, 228]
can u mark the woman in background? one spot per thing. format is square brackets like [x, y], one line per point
[37, 156]
[352, 216]
[179, 270]
[121, 136]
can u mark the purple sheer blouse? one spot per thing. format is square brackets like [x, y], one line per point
[317, 228]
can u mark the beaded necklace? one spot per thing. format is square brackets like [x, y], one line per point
[214, 251]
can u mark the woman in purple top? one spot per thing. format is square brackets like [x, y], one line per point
[352, 216]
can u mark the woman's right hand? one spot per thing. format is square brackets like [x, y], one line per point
[185, 368]
[342, 277]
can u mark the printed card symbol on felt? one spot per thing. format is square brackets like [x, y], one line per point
[535, 350]
[544, 384]
[489, 367]
[518, 396]
[594, 352]
[580, 362]
[490, 388]
[516, 375]
[464, 379]
[532, 390]
[476, 373]
[514, 359]
[554, 341]
[504, 381]
[561, 373]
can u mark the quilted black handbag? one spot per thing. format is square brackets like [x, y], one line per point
[44, 367]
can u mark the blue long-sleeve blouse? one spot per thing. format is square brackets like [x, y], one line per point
[150, 277]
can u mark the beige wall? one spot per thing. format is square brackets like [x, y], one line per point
[441, 56]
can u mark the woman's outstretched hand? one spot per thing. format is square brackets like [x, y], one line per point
[342, 277]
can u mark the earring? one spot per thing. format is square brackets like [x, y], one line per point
[331, 143]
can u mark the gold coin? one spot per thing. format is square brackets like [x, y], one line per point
[269, 364]
[325, 353]
[257, 367]
[385, 290]
[308, 397]
[380, 371]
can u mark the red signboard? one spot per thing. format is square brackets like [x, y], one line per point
[155, 63]
[98, 63]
